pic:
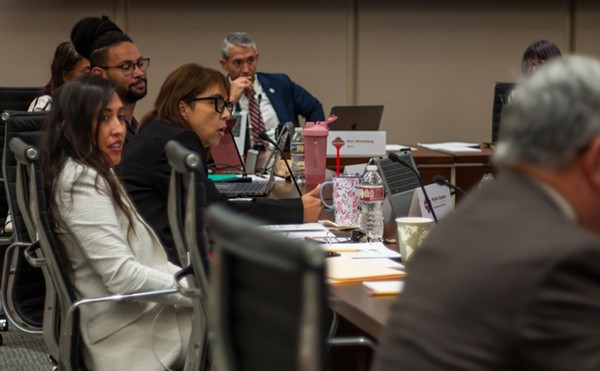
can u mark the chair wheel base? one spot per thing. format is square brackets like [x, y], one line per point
[3, 323]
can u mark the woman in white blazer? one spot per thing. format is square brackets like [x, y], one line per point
[109, 247]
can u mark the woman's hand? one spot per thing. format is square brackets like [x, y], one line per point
[312, 205]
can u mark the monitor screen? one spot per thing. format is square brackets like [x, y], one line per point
[501, 93]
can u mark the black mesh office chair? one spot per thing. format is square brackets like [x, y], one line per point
[268, 298]
[23, 288]
[185, 219]
[55, 268]
[12, 99]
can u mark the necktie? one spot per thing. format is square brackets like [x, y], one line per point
[256, 121]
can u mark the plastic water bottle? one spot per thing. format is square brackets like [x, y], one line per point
[297, 152]
[371, 195]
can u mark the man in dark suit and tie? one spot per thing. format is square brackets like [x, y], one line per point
[511, 280]
[279, 99]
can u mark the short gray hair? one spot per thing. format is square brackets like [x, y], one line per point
[236, 39]
[553, 115]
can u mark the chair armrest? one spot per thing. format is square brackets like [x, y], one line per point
[352, 340]
[30, 254]
[190, 292]
[69, 325]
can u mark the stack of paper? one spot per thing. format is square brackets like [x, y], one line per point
[342, 270]
[452, 146]
[384, 288]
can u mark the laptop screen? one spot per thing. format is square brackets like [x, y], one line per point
[356, 118]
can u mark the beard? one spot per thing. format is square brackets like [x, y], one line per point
[130, 95]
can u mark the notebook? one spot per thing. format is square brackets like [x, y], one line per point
[356, 117]
[235, 190]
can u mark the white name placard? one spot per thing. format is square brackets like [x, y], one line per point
[441, 200]
[356, 143]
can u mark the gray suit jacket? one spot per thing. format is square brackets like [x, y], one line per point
[507, 282]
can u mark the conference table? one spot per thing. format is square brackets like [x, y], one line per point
[360, 313]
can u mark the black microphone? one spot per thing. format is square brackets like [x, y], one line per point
[440, 180]
[265, 136]
[237, 150]
[394, 157]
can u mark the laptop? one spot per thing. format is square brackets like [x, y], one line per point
[225, 154]
[399, 183]
[235, 190]
[356, 118]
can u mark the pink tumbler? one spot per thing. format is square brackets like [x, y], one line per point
[315, 152]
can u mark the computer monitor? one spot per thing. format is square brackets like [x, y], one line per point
[501, 93]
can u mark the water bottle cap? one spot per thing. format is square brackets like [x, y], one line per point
[371, 167]
[298, 129]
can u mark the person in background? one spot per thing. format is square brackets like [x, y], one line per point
[113, 55]
[192, 107]
[538, 53]
[107, 244]
[279, 99]
[67, 65]
[511, 280]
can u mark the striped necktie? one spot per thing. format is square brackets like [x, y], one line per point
[256, 121]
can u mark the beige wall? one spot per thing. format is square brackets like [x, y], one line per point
[432, 63]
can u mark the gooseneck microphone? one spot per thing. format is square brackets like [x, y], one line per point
[440, 180]
[265, 136]
[394, 157]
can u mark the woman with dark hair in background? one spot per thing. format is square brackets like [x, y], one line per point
[108, 246]
[66, 65]
[538, 53]
[192, 107]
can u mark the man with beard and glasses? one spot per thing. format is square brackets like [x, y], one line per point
[113, 55]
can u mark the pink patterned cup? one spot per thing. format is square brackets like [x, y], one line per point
[345, 198]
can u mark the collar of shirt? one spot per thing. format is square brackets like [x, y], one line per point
[560, 201]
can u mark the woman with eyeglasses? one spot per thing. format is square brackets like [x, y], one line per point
[108, 246]
[192, 107]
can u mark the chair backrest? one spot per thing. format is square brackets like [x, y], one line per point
[14, 99]
[56, 268]
[268, 298]
[27, 126]
[23, 286]
[17, 98]
[185, 219]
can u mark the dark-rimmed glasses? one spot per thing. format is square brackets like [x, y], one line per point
[128, 67]
[220, 103]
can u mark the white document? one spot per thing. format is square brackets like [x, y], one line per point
[306, 227]
[453, 146]
[363, 250]
[384, 287]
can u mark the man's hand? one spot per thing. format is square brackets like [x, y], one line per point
[239, 87]
[312, 205]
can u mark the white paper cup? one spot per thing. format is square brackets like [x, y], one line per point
[411, 232]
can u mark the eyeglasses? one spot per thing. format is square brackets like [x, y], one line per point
[128, 67]
[220, 103]
[531, 65]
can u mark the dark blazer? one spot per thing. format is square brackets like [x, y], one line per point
[146, 173]
[290, 99]
[507, 282]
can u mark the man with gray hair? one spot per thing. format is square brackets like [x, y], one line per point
[278, 98]
[511, 280]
